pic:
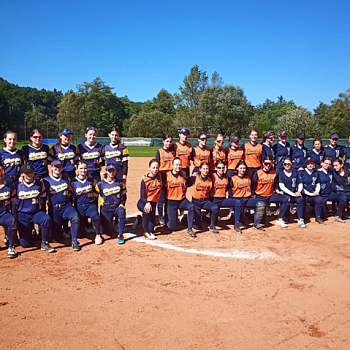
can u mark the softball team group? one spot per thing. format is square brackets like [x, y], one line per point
[241, 178]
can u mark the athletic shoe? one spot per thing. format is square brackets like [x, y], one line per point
[213, 229]
[121, 239]
[191, 233]
[11, 253]
[6, 241]
[259, 227]
[162, 222]
[339, 219]
[149, 235]
[293, 210]
[46, 247]
[237, 229]
[208, 215]
[301, 223]
[320, 221]
[66, 234]
[136, 222]
[98, 239]
[252, 211]
[280, 222]
[76, 246]
[181, 217]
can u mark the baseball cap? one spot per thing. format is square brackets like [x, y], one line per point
[183, 130]
[234, 138]
[56, 162]
[111, 166]
[66, 131]
[26, 167]
[335, 136]
[301, 135]
[283, 133]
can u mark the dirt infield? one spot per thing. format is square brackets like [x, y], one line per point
[278, 289]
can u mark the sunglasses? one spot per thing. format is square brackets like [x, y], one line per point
[269, 164]
[287, 163]
[220, 167]
[219, 141]
[204, 139]
[37, 137]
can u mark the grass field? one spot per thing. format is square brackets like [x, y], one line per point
[135, 151]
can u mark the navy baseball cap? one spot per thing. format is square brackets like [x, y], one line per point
[56, 162]
[26, 168]
[283, 133]
[111, 166]
[183, 130]
[334, 136]
[234, 138]
[66, 131]
[301, 135]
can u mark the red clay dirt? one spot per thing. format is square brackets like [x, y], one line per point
[139, 296]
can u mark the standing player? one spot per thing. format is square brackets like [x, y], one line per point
[267, 150]
[200, 153]
[346, 151]
[234, 155]
[183, 150]
[253, 152]
[281, 150]
[299, 152]
[317, 153]
[217, 152]
[92, 153]
[333, 150]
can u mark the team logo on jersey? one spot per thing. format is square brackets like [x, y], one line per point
[294, 182]
[28, 194]
[314, 181]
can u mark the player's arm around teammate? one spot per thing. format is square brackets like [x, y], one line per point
[151, 186]
[58, 192]
[113, 196]
[7, 219]
[84, 189]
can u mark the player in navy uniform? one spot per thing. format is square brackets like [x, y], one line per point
[36, 154]
[299, 152]
[11, 158]
[113, 197]
[84, 197]
[7, 220]
[30, 199]
[58, 192]
[281, 150]
[92, 153]
[316, 154]
[346, 152]
[333, 150]
[267, 150]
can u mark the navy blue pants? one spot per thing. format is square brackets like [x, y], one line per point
[183, 204]
[25, 222]
[315, 201]
[108, 213]
[300, 206]
[252, 203]
[162, 203]
[204, 203]
[60, 212]
[8, 222]
[89, 210]
[148, 219]
[340, 198]
[229, 203]
[283, 199]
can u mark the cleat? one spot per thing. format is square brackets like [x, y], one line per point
[339, 219]
[46, 247]
[259, 227]
[320, 221]
[75, 246]
[280, 222]
[301, 223]
[136, 222]
[191, 233]
[98, 239]
[11, 253]
[237, 229]
[213, 229]
[149, 235]
[121, 239]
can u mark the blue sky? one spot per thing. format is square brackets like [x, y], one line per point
[298, 49]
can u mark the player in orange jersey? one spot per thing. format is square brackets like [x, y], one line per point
[252, 152]
[183, 150]
[200, 153]
[217, 152]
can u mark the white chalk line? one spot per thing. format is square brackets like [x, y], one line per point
[236, 254]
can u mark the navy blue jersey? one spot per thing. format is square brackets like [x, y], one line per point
[340, 182]
[57, 189]
[84, 190]
[267, 151]
[11, 161]
[326, 182]
[299, 155]
[29, 196]
[309, 180]
[68, 157]
[116, 155]
[317, 157]
[91, 154]
[290, 182]
[112, 193]
[333, 153]
[281, 153]
[346, 152]
[7, 193]
[37, 157]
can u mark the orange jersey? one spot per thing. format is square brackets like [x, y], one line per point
[201, 155]
[165, 158]
[202, 187]
[252, 155]
[184, 152]
[266, 183]
[176, 186]
[219, 186]
[241, 187]
[234, 156]
[152, 188]
[213, 160]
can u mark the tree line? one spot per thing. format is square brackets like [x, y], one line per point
[202, 103]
